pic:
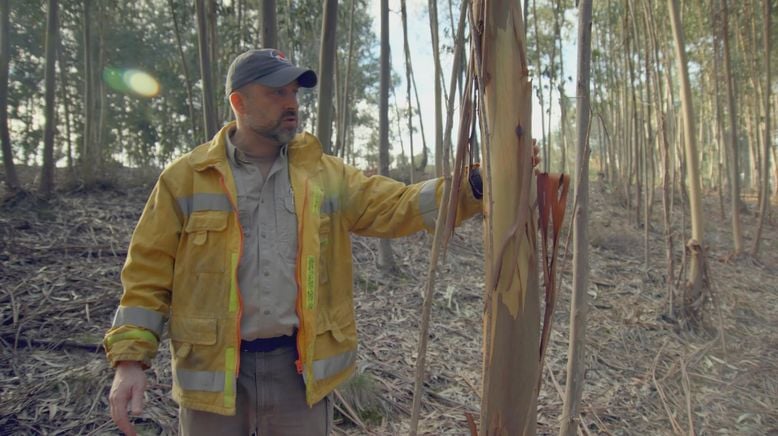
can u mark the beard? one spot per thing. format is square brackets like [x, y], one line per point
[277, 132]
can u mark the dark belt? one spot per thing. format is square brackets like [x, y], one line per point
[264, 345]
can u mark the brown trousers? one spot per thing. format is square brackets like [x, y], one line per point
[270, 402]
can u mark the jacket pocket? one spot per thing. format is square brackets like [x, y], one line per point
[185, 333]
[206, 241]
[339, 325]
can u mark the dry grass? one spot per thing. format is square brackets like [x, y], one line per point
[59, 287]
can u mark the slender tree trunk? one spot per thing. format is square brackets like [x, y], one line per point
[326, 74]
[52, 28]
[433, 11]
[579, 305]
[344, 107]
[89, 158]
[560, 11]
[693, 292]
[385, 256]
[664, 146]
[204, 43]
[187, 77]
[456, 66]
[11, 178]
[65, 106]
[511, 318]
[539, 88]
[732, 144]
[425, 150]
[269, 26]
[765, 196]
[408, 71]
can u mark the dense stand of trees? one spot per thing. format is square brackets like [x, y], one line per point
[681, 99]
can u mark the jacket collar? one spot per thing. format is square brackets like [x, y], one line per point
[304, 150]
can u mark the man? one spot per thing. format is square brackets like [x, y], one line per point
[244, 247]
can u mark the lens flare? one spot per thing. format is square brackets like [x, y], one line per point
[141, 83]
[131, 81]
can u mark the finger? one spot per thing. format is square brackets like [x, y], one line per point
[119, 411]
[136, 404]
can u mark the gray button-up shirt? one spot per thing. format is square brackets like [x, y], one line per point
[266, 274]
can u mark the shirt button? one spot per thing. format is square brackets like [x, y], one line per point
[266, 312]
[263, 235]
[265, 273]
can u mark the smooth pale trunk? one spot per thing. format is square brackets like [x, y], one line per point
[512, 313]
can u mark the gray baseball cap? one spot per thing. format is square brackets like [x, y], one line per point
[268, 67]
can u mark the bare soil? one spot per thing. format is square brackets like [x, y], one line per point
[59, 285]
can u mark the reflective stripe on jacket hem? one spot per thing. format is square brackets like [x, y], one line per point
[209, 381]
[139, 317]
[331, 366]
[428, 205]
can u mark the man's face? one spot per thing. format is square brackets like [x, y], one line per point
[271, 112]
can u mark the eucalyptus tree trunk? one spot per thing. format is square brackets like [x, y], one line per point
[343, 106]
[579, 305]
[408, 71]
[562, 99]
[664, 147]
[433, 11]
[89, 154]
[269, 24]
[765, 188]
[386, 261]
[326, 74]
[732, 143]
[11, 178]
[66, 107]
[204, 42]
[52, 30]
[540, 93]
[693, 291]
[512, 307]
[425, 150]
[187, 76]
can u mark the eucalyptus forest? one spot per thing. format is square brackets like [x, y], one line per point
[625, 284]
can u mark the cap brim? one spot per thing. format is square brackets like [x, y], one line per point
[305, 78]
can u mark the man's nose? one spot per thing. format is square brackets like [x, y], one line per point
[291, 101]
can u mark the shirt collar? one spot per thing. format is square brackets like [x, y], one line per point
[238, 157]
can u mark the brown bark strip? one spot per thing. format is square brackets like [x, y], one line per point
[552, 202]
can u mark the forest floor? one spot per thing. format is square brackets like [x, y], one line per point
[59, 286]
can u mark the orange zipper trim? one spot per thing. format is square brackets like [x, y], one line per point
[299, 306]
[235, 271]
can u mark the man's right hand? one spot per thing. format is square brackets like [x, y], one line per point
[129, 383]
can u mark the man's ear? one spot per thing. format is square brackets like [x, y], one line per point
[236, 101]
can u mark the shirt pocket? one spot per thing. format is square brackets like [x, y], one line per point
[205, 248]
[286, 225]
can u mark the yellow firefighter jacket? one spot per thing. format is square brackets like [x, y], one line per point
[184, 254]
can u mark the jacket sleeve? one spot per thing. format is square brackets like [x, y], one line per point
[147, 278]
[383, 207]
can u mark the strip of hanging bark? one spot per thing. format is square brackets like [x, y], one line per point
[552, 202]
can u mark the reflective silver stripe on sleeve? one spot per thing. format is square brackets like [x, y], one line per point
[140, 317]
[204, 201]
[331, 366]
[428, 206]
[209, 381]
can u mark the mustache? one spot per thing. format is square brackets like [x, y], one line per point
[289, 113]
